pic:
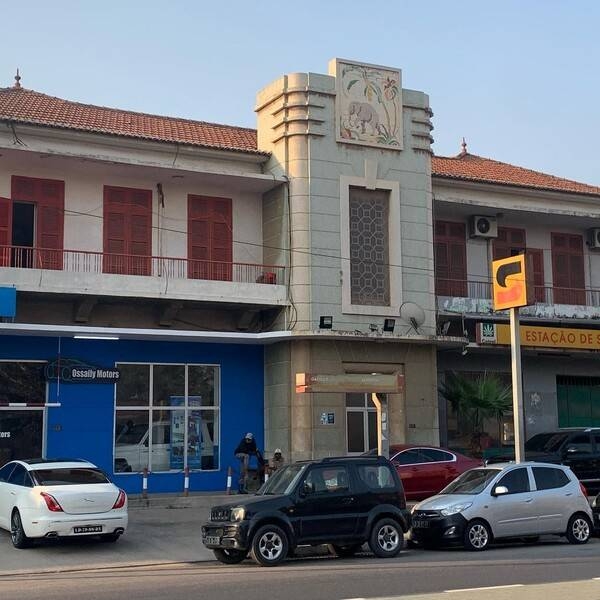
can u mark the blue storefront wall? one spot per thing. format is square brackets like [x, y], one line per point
[83, 425]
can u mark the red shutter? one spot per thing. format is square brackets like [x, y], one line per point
[450, 258]
[510, 241]
[5, 231]
[568, 272]
[537, 263]
[49, 197]
[210, 240]
[127, 231]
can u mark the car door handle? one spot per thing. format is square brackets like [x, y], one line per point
[529, 500]
[349, 500]
[13, 493]
[569, 494]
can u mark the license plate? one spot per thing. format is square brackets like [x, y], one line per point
[213, 539]
[88, 529]
[420, 524]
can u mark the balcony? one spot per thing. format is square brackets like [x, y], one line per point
[475, 298]
[82, 272]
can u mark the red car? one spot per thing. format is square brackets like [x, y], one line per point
[425, 470]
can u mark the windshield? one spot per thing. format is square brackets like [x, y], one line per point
[546, 442]
[471, 482]
[69, 476]
[283, 481]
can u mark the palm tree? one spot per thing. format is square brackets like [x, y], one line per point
[477, 399]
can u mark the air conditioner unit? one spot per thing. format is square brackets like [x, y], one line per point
[594, 238]
[483, 227]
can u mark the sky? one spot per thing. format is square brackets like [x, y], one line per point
[517, 78]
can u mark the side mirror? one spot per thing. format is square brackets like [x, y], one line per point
[305, 489]
[395, 464]
[500, 490]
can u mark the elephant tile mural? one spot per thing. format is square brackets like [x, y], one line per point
[368, 104]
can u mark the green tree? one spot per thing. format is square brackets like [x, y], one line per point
[476, 399]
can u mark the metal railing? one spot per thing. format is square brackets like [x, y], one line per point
[79, 261]
[543, 294]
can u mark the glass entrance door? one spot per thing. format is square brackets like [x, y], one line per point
[21, 434]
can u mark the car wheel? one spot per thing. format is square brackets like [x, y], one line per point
[579, 529]
[17, 533]
[477, 536]
[230, 556]
[344, 551]
[386, 539]
[110, 537]
[269, 546]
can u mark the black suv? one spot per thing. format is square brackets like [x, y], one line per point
[578, 449]
[342, 502]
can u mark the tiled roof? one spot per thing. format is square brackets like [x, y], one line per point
[470, 167]
[27, 106]
[21, 105]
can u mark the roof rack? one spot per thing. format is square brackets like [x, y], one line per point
[359, 457]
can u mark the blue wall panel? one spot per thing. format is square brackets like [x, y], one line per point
[83, 425]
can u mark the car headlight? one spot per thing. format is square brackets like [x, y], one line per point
[412, 510]
[455, 509]
[595, 502]
[237, 514]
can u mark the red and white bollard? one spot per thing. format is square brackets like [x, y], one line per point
[229, 480]
[186, 481]
[145, 483]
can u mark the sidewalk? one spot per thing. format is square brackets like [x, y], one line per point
[162, 529]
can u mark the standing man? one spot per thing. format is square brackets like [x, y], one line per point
[245, 449]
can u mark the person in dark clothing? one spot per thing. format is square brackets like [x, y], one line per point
[245, 449]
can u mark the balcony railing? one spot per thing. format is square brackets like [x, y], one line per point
[78, 261]
[543, 294]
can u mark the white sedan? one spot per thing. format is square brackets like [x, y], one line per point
[56, 498]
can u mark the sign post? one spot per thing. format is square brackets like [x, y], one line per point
[510, 291]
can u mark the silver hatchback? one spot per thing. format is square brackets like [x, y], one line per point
[522, 500]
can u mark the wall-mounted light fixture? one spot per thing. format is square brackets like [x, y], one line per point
[326, 322]
[389, 324]
[373, 327]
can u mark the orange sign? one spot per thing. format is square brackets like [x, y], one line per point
[509, 282]
[541, 337]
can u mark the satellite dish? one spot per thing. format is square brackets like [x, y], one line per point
[412, 313]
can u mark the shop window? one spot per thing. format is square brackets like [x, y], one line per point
[160, 426]
[361, 423]
[369, 247]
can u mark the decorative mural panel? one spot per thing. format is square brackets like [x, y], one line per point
[368, 104]
[369, 247]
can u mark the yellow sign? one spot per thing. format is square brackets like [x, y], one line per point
[542, 337]
[509, 282]
[350, 382]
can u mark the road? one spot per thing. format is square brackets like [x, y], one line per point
[413, 572]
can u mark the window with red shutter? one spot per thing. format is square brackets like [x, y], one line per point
[5, 231]
[450, 259]
[537, 264]
[48, 195]
[568, 270]
[510, 242]
[210, 239]
[127, 231]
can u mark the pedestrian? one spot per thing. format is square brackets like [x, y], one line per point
[278, 461]
[245, 449]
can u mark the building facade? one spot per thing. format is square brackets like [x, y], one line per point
[486, 210]
[164, 282]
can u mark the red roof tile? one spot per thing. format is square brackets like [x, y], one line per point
[27, 106]
[469, 167]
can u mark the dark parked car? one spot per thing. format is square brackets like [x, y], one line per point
[425, 470]
[343, 502]
[578, 449]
